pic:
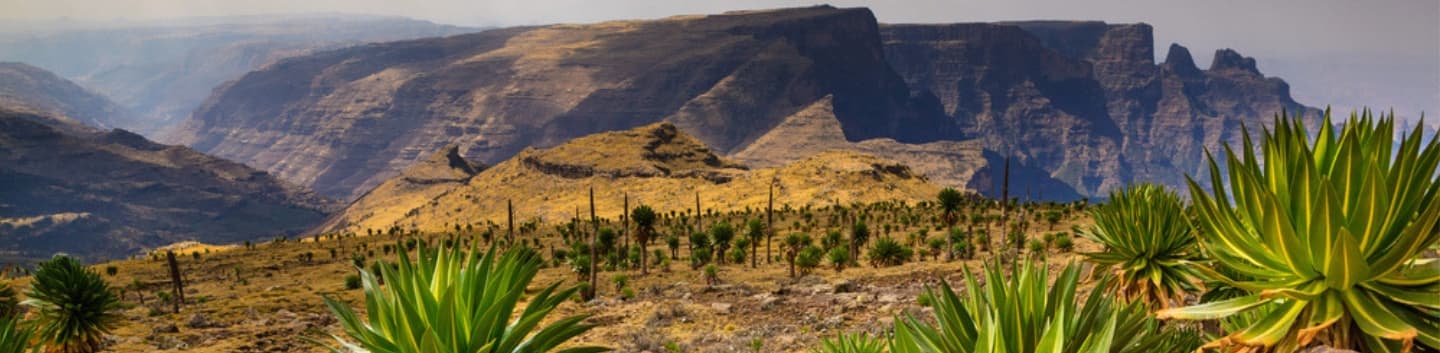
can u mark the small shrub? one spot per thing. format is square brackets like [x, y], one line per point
[737, 255]
[352, 282]
[582, 290]
[888, 252]
[712, 274]
[936, 245]
[1064, 244]
[809, 259]
[111, 270]
[620, 281]
[838, 257]
[832, 239]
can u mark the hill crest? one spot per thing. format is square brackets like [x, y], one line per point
[657, 165]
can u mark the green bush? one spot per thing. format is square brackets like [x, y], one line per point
[737, 255]
[1037, 247]
[712, 274]
[809, 258]
[1064, 244]
[352, 282]
[832, 239]
[888, 252]
[621, 281]
[839, 257]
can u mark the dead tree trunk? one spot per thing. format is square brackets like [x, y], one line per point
[510, 219]
[769, 224]
[177, 283]
[594, 234]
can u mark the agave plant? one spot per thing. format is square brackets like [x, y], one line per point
[1325, 237]
[74, 307]
[852, 343]
[1018, 314]
[1148, 243]
[451, 301]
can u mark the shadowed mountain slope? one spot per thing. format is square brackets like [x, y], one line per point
[105, 195]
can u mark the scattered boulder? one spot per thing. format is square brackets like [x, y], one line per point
[722, 308]
[167, 328]
[199, 321]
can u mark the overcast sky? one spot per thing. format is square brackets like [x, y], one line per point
[1377, 52]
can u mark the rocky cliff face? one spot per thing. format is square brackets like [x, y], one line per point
[105, 195]
[342, 121]
[1085, 101]
[1079, 108]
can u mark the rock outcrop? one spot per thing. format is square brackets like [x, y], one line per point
[1084, 101]
[105, 195]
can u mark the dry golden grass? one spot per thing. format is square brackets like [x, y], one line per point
[268, 298]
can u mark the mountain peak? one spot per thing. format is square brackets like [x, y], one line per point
[1229, 59]
[1178, 59]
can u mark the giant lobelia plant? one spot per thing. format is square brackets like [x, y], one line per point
[1149, 245]
[1325, 238]
[1025, 312]
[451, 301]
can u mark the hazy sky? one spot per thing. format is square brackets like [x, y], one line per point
[1349, 52]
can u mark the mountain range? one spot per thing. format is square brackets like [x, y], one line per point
[68, 185]
[160, 72]
[826, 103]
[1079, 108]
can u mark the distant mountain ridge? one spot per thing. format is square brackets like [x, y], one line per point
[67, 186]
[1078, 108]
[105, 195]
[161, 71]
[28, 88]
